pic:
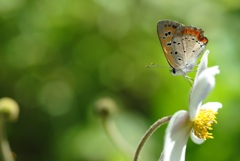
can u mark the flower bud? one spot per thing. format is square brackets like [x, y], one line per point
[9, 108]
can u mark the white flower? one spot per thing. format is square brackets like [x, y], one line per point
[198, 120]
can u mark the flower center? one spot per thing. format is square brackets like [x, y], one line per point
[203, 123]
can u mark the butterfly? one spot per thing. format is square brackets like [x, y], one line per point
[182, 45]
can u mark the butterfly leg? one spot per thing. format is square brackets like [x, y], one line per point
[189, 80]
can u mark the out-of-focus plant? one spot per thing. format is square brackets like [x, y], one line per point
[9, 111]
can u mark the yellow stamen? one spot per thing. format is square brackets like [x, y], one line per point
[203, 122]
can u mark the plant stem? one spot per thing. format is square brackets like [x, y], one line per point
[4, 145]
[148, 133]
[116, 137]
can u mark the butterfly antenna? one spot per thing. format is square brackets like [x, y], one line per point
[153, 65]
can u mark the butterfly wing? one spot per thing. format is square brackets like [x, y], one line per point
[166, 30]
[188, 44]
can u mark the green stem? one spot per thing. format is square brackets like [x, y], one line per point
[116, 137]
[5, 148]
[148, 133]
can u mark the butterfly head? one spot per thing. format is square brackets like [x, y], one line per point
[188, 67]
[177, 72]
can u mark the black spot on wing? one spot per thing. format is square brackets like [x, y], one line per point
[174, 26]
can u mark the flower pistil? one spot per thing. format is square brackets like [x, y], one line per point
[203, 123]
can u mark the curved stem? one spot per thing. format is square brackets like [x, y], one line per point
[116, 137]
[148, 133]
[105, 107]
[5, 148]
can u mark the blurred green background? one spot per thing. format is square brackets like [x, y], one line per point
[58, 57]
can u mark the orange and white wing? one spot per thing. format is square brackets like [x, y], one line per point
[166, 29]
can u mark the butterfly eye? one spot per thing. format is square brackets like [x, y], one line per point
[173, 71]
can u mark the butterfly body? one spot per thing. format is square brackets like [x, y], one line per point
[182, 45]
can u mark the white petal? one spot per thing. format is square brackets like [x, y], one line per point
[212, 105]
[176, 137]
[213, 70]
[203, 63]
[199, 93]
[195, 139]
[203, 85]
